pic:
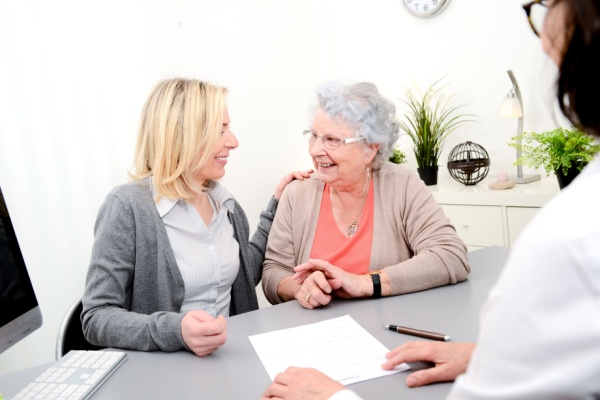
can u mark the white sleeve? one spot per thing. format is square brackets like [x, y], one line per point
[539, 330]
[345, 395]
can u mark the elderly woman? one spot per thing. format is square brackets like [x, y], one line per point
[362, 227]
[553, 328]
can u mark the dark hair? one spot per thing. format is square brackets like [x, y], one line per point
[579, 80]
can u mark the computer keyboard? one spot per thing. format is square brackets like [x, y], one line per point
[74, 377]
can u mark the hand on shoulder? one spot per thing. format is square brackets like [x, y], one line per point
[300, 175]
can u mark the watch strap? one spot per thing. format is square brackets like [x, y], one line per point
[376, 285]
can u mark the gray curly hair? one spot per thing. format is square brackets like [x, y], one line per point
[366, 111]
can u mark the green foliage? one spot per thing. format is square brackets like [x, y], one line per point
[554, 150]
[398, 157]
[429, 122]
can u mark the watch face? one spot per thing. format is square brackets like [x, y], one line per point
[424, 8]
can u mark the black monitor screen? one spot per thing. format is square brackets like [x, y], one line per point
[19, 311]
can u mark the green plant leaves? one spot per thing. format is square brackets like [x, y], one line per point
[429, 122]
[559, 149]
[398, 157]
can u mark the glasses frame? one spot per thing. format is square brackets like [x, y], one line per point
[527, 8]
[354, 139]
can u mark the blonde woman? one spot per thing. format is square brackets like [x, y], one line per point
[172, 256]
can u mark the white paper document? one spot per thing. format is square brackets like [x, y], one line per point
[338, 347]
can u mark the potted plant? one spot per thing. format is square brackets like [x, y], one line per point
[562, 151]
[397, 157]
[428, 123]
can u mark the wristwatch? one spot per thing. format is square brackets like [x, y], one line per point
[376, 283]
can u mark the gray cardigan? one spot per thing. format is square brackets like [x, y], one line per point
[134, 290]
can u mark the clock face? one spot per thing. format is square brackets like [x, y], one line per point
[425, 8]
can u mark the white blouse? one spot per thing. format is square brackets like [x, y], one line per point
[207, 256]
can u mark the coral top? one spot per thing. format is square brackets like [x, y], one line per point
[352, 254]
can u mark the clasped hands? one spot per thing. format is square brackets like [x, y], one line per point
[319, 281]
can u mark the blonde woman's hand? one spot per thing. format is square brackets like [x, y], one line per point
[300, 175]
[202, 333]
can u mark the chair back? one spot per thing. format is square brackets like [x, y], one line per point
[70, 335]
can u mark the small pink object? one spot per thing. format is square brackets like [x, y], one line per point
[501, 185]
[502, 176]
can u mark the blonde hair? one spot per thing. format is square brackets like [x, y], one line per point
[180, 125]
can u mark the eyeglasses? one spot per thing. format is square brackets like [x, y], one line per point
[329, 141]
[536, 12]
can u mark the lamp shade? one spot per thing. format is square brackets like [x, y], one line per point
[510, 107]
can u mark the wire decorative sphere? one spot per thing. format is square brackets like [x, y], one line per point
[468, 163]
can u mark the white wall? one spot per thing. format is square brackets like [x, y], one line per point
[74, 75]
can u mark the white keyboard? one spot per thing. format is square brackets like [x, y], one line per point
[75, 376]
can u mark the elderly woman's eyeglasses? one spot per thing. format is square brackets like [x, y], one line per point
[329, 141]
[536, 12]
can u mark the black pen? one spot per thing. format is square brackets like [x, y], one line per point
[418, 332]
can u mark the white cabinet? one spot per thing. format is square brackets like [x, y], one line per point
[484, 217]
[479, 226]
[518, 218]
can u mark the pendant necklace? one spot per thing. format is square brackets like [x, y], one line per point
[353, 226]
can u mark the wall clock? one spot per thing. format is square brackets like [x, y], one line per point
[425, 8]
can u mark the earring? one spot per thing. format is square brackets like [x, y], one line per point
[368, 173]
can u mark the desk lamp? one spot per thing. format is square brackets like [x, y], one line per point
[512, 107]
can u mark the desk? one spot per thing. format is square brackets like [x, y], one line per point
[235, 372]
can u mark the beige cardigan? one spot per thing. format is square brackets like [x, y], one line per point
[412, 238]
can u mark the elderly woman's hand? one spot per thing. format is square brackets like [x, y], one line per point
[345, 284]
[315, 290]
[300, 175]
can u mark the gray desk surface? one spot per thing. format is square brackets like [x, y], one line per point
[235, 371]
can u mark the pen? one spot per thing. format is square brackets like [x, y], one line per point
[418, 332]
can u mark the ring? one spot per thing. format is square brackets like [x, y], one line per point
[307, 298]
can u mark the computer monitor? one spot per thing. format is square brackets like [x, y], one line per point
[19, 310]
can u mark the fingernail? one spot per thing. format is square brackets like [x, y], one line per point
[411, 381]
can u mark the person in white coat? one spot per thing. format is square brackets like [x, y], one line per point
[540, 326]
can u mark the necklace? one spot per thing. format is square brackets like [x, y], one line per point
[353, 226]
